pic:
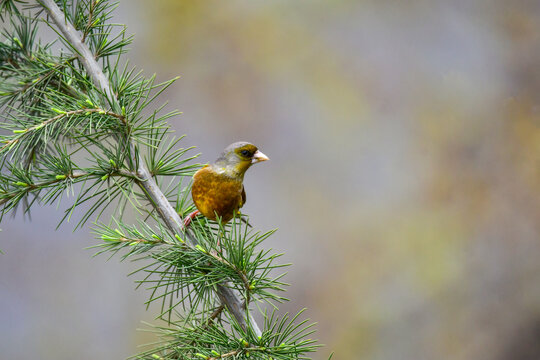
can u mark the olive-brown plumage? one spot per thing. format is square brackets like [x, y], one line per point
[218, 189]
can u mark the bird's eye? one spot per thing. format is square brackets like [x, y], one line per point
[245, 153]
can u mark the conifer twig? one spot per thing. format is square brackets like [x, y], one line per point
[144, 178]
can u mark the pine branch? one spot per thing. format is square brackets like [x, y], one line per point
[62, 129]
[63, 114]
[144, 177]
[40, 185]
[281, 339]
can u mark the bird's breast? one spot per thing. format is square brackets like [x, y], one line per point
[215, 193]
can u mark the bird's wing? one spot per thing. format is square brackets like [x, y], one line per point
[243, 196]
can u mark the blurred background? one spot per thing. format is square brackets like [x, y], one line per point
[404, 139]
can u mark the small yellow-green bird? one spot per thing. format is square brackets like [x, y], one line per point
[218, 189]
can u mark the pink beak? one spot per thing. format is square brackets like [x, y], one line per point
[258, 157]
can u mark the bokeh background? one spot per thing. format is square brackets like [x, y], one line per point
[404, 139]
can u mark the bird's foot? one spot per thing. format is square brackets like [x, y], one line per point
[188, 219]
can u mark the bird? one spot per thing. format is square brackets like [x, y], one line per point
[218, 189]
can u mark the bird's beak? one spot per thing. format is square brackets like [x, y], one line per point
[258, 157]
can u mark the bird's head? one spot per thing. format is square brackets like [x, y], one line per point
[237, 158]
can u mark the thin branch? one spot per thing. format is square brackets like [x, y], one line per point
[139, 241]
[145, 179]
[211, 319]
[239, 272]
[58, 117]
[214, 315]
[83, 52]
[234, 353]
[90, 20]
[222, 356]
[60, 178]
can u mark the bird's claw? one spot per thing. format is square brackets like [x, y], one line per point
[188, 219]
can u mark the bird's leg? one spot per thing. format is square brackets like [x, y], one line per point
[188, 219]
[221, 233]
